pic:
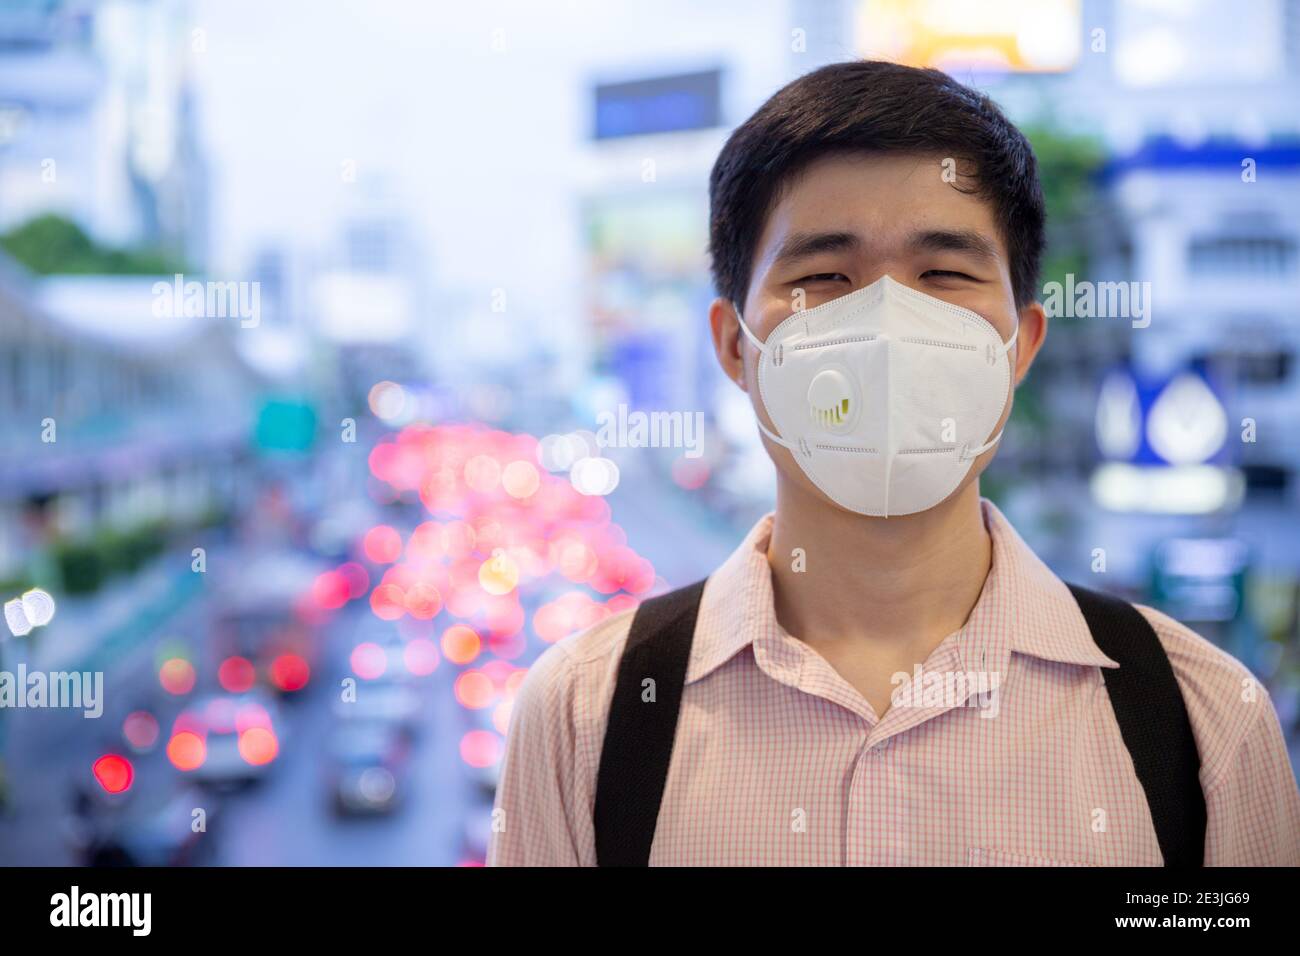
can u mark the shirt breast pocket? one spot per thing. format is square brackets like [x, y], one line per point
[981, 856]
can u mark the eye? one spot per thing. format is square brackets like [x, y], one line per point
[946, 274]
[824, 277]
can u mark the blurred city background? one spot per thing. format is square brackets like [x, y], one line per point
[313, 529]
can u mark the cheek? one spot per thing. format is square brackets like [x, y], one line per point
[1002, 312]
[995, 303]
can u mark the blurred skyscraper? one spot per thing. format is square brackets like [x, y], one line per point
[97, 121]
[114, 417]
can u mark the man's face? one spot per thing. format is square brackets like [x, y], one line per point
[845, 221]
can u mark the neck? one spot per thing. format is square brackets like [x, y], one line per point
[905, 582]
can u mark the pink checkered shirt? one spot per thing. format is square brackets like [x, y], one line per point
[778, 760]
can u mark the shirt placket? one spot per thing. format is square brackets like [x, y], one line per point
[877, 819]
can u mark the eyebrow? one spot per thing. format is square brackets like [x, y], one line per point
[802, 245]
[964, 241]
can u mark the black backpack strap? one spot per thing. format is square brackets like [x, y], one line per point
[639, 734]
[1153, 720]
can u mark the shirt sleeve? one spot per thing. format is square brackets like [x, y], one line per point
[1253, 804]
[537, 818]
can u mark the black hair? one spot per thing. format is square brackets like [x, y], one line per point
[875, 107]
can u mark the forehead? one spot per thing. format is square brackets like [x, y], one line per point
[884, 198]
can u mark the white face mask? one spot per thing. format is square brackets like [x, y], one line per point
[884, 396]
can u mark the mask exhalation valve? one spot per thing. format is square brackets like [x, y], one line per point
[830, 400]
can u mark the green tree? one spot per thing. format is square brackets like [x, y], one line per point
[54, 245]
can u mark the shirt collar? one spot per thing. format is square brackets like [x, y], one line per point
[737, 607]
[1045, 619]
[1023, 606]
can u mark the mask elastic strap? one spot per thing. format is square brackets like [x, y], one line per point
[780, 441]
[976, 452]
[1006, 346]
[744, 326]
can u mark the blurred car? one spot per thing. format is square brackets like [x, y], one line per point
[227, 740]
[366, 768]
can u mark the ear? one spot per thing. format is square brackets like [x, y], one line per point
[1030, 338]
[727, 345]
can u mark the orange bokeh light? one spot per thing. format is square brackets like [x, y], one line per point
[474, 690]
[498, 574]
[177, 676]
[187, 750]
[520, 479]
[388, 602]
[423, 601]
[460, 644]
[258, 746]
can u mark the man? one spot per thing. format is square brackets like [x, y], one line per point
[883, 673]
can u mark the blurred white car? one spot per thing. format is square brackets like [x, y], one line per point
[225, 740]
